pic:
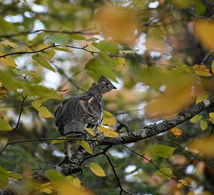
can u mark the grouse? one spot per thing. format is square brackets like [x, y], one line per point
[83, 110]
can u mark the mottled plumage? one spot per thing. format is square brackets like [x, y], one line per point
[83, 110]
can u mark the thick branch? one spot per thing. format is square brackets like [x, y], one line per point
[68, 167]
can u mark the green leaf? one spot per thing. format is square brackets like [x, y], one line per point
[165, 173]
[3, 177]
[203, 125]
[76, 36]
[97, 170]
[60, 39]
[95, 68]
[85, 145]
[108, 61]
[196, 118]
[4, 125]
[42, 92]
[109, 46]
[9, 83]
[49, 53]
[164, 151]
[153, 77]
[25, 72]
[107, 114]
[55, 176]
[42, 62]
[212, 66]
[92, 39]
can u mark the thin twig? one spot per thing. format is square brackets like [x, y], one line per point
[17, 125]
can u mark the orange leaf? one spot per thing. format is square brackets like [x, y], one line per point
[176, 132]
[177, 96]
[118, 23]
[202, 70]
[204, 32]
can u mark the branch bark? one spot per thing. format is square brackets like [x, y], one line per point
[73, 165]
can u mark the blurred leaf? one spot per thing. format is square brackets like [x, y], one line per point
[21, 72]
[54, 176]
[49, 53]
[167, 171]
[128, 51]
[204, 29]
[202, 70]
[205, 146]
[42, 62]
[85, 145]
[118, 23]
[176, 96]
[196, 118]
[90, 131]
[76, 182]
[164, 151]
[201, 97]
[62, 139]
[120, 61]
[46, 188]
[107, 132]
[4, 125]
[153, 77]
[203, 125]
[182, 183]
[211, 115]
[9, 43]
[14, 176]
[108, 61]
[7, 61]
[61, 39]
[77, 37]
[176, 132]
[212, 66]
[3, 177]
[43, 111]
[107, 114]
[95, 68]
[97, 170]
[109, 121]
[109, 46]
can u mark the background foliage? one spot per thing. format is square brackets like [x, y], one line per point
[160, 52]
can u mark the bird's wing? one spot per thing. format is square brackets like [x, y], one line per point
[60, 110]
[93, 108]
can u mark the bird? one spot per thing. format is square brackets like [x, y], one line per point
[83, 110]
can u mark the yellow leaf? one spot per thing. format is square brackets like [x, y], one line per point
[128, 51]
[122, 61]
[182, 183]
[85, 145]
[109, 121]
[90, 131]
[46, 188]
[205, 146]
[203, 125]
[61, 139]
[4, 125]
[202, 70]
[14, 176]
[76, 182]
[7, 61]
[177, 132]
[9, 43]
[201, 97]
[97, 170]
[43, 111]
[204, 32]
[107, 132]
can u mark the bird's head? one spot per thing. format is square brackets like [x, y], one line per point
[105, 85]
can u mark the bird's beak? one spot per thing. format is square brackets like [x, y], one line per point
[114, 87]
